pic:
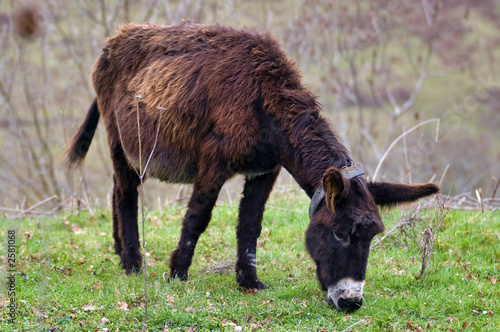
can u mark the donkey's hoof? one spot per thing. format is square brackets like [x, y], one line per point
[254, 284]
[131, 265]
[133, 270]
[178, 276]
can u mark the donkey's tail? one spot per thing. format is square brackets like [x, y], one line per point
[79, 145]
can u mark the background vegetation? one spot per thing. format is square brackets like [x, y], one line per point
[379, 67]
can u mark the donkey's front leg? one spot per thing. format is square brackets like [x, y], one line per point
[195, 222]
[252, 204]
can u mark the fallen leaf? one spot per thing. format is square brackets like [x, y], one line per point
[251, 292]
[76, 229]
[190, 310]
[122, 305]
[470, 277]
[104, 320]
[170, 300]
[488, 312]
[88, 307]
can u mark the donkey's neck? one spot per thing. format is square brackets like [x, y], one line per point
[312, 147]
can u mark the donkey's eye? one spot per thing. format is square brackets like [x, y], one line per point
[342, 237]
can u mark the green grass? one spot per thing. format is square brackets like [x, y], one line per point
[68, 277]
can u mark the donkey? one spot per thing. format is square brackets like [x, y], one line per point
[190, 103]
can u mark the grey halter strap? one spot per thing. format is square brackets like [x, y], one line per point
[319, 194]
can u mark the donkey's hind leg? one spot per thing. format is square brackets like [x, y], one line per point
[252, 204]
[125, 197]
[116, 222]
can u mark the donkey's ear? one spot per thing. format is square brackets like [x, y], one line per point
[387, 194]
[335, 186]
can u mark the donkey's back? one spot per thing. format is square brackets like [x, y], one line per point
[194, 88]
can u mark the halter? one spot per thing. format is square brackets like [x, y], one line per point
[350, 172]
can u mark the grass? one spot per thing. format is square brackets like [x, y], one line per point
[68, 277]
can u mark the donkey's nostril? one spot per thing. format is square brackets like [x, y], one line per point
[349, 305]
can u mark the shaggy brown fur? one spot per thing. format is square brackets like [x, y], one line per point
[213, 102]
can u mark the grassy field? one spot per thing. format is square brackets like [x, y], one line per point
[67, 277]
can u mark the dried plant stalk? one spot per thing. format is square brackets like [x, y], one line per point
[427, 247]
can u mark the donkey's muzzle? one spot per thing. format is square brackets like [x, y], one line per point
[346, 295]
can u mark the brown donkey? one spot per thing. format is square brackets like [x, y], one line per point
[198, 104]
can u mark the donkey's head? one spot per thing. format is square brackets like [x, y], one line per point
[344, 220]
